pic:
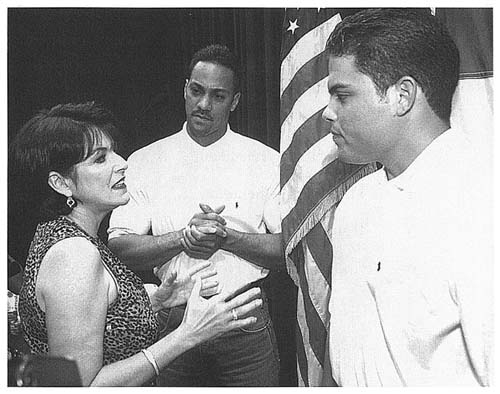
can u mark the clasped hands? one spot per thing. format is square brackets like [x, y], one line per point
[201, 238]
[205, 233]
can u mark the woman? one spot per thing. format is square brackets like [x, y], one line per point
[77, 299]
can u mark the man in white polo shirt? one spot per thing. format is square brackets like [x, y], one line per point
[411, 301]
[207, 193]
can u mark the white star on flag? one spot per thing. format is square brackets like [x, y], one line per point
[293, 26]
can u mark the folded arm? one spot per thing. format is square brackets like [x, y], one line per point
[265, 250]
[144, 252]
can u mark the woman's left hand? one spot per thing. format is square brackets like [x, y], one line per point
[176, 289]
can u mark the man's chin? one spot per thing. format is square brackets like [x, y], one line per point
[345, 157]
[198, 127]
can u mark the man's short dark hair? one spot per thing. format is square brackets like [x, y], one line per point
[218, 54]
[388, 44]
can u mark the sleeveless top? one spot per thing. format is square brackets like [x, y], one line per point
[130, 322]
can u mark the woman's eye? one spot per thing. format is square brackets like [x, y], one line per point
[100, 159]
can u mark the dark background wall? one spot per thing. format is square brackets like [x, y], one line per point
[133, 61]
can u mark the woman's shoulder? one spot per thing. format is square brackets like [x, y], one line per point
[70, 271]
[73, 249]
[71, 258]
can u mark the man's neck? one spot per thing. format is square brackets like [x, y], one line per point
[206, 139]
[410, 146]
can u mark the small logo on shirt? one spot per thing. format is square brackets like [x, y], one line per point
[378, 266]
[236, 204]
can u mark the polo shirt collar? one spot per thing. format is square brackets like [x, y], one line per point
[424, 164]
[226, 136]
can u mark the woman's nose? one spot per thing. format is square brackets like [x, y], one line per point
[121, 163]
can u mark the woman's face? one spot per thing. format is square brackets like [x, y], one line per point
[98, 182]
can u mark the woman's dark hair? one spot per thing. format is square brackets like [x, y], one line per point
[56, 140]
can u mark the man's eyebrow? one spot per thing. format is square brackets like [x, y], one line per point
[217, 90]
[220, 90]
[337, 86]
[198, 85]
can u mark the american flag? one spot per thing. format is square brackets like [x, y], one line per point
[472, 108]
[312, 181]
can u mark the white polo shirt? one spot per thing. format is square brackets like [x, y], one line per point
[412, 277]
[169, 178]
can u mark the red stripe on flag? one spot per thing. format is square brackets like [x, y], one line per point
[321, 250]
[310, 73]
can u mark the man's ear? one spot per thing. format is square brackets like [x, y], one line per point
[185, 88]
[406, 90]
[59, 183]
[236, 100]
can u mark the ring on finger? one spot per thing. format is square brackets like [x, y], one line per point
[235, 315]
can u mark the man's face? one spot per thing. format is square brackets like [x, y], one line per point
[210, 97]
[359, 117]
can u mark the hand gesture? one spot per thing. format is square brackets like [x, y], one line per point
[204, 233]
[207, 319]
[176, 289]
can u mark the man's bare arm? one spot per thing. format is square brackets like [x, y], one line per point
[143, 252]
[265, 250]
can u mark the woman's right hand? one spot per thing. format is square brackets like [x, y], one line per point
[208, 318]
[175, 289]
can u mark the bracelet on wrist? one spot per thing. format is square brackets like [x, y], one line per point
[151, 360]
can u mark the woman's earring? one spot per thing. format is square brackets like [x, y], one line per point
[70, 202]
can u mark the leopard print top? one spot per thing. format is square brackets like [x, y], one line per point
[130, 322]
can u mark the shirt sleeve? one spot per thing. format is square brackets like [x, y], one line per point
[475, 300]
[133, 217]
[474, 291]
[272, 216]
